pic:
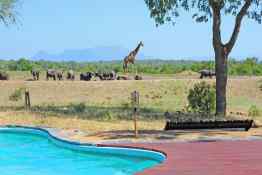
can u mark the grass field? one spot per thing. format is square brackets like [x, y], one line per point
[157, 95]
[98, 103]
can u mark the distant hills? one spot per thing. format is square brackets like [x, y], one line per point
[90, 54]
[109, 53]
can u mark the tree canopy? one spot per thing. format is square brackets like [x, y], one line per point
[8, 12]
[203, 10]
[168, 10]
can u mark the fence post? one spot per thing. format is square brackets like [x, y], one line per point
[27, 99]
[135, 103]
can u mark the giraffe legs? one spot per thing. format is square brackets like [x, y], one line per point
[135, 69]
[125, 67]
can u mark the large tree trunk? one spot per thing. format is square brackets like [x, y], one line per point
[221, 62]
[222, 51]
[221, 82]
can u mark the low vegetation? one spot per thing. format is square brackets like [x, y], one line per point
[202, 98]
[110, 100]
[249, 66]
[17, 94]
[254, 111]
[74, 123]
[106, 105]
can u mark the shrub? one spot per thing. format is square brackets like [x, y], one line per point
[202, 98]
[79, 108]
[17, 94]
[253, 111]
[108, 116]
[125, 105]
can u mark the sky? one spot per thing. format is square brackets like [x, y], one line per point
[55, 26]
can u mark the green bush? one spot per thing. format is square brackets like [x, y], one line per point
[202, 98]
[254, 111]
[79, 108]
[249, 66]
[108, 116]
[17, 94]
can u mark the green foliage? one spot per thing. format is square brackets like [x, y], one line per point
[201, 98]
[23, 65]
[79, 108]
[7, 11]
[168, 10]
[254, 111]
[109, 116]
[125, 105]
[250, 66]
[17, 94]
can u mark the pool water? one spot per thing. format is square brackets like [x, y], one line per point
[30, 154]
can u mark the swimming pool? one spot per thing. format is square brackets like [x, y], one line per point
[34, 151]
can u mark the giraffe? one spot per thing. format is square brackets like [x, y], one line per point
[130, 58]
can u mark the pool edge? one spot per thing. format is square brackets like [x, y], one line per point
[154, 154]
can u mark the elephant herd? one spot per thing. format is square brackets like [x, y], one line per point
[88, 76]
[70, 75]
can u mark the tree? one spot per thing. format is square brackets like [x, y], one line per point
[8, 11]
[167, 11]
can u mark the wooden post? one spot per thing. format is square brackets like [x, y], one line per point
[135, 103]
[27, 100]
[135, 121]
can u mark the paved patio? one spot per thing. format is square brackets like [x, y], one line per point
[207, 158]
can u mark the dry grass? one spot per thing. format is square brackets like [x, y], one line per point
[105, 131]
[89, 126]
[156, 95]
[52, 102]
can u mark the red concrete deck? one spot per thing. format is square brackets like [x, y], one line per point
[208, 158]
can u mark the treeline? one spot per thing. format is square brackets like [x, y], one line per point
[249, 66]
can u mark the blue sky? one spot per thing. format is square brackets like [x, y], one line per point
[54, 26]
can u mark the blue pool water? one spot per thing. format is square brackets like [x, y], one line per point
[23, 153]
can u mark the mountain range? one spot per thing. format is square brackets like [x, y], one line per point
[90, 54]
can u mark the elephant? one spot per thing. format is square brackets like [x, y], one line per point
[86, 76]
[59, 75]
[4, 76]
[70, 75]
[123, 78]
[138, 77]
[99, 75]
[106, 75]
[112, 75]
[35, 74]
[207, 73]
[51, 73]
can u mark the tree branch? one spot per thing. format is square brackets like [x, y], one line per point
[238, 21]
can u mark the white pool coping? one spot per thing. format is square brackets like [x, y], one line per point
[87, 147]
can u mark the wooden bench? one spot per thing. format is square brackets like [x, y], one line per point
[231, 124]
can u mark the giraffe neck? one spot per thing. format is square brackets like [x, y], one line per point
[137, 49]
